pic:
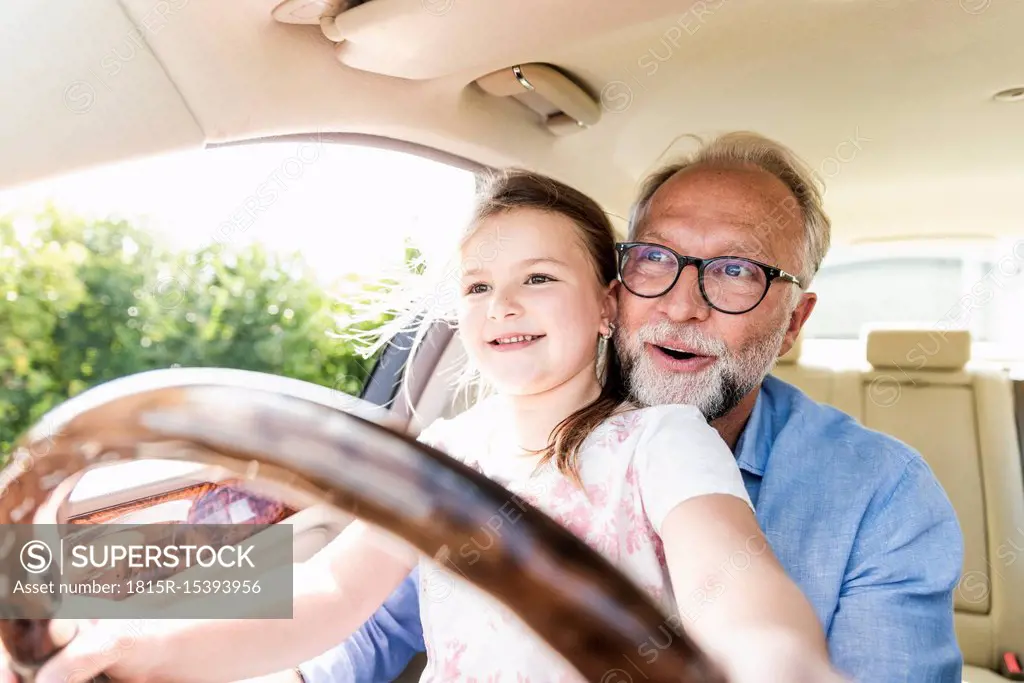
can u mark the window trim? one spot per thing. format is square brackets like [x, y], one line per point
[366, 140]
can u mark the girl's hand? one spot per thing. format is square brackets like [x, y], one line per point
[125, 650]
[96, 649]
[6, 675]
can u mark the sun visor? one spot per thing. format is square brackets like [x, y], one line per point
[562, 105]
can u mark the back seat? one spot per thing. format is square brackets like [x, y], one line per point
[917, 388]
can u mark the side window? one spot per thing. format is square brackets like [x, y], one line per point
[994, 301]
[974, 287]
[901, 291]
[247, 256]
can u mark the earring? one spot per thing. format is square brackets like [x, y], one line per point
[611, 331]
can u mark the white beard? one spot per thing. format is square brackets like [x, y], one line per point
[714, 390]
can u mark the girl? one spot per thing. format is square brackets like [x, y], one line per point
[654, 489]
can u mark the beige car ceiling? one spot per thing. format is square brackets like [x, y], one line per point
[891, 101]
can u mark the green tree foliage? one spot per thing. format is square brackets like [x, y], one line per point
[82, 303]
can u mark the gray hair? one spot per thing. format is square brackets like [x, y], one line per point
[744, 148]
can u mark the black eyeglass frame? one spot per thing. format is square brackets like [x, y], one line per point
[771, 273]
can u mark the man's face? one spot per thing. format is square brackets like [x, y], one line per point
[676, 348]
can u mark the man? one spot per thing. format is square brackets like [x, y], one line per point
[856, 518]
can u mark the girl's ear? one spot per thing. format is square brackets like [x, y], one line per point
[609, 307]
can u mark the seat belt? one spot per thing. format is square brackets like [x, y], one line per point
[1018, 411]
[1010, 666]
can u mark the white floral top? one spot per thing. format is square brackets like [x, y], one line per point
[636, 467]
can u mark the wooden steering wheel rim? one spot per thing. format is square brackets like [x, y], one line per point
[248, 422]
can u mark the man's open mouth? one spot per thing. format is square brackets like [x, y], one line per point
[678, 354]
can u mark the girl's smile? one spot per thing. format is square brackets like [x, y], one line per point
[515, 342]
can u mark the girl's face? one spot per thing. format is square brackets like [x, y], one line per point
[531, 306]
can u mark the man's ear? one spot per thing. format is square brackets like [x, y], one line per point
[797, 319]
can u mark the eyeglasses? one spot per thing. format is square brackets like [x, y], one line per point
[729, 284]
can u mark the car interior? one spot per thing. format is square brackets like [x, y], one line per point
[909, 112]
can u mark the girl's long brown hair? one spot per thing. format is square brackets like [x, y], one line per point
[513, 189]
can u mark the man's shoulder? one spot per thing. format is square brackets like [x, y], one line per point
[798, 417]
[872, 477]
[814, 436]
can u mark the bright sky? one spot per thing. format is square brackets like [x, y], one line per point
[345, 208]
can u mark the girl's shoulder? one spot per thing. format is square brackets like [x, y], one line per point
[645, 418]
[630, 427]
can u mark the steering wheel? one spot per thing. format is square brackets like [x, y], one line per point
[294, 436]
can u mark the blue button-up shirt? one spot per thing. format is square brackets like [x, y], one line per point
[856, 518]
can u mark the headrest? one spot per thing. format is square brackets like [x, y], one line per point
[919, 349]
[793, 355]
